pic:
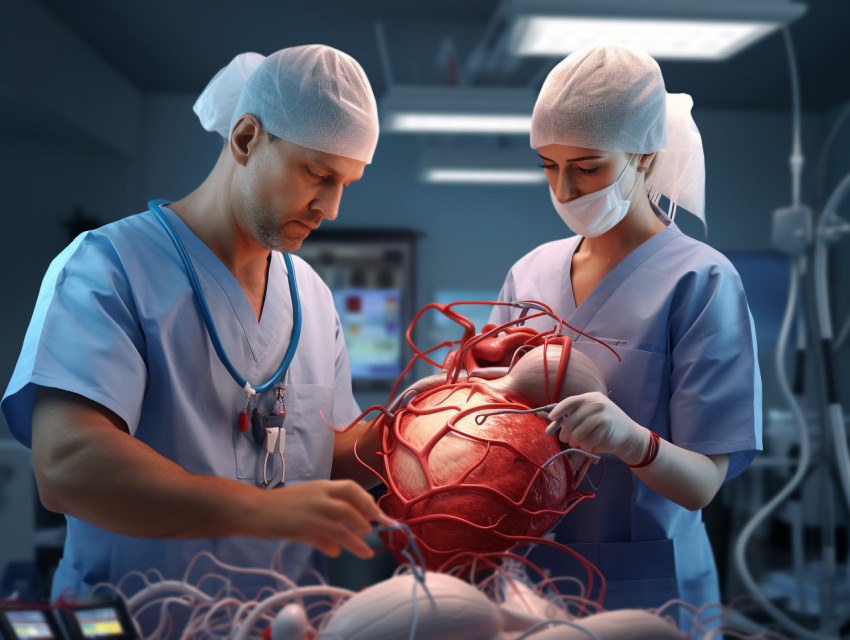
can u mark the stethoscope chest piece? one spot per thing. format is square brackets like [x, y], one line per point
[270, 434]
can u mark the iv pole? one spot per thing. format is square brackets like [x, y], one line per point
[792, 234]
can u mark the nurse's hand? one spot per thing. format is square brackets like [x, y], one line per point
[593, 423]
[327, 514]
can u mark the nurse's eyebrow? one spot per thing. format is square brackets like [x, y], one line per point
[571, 159]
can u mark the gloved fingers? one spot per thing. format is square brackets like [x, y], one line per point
[590, 435]
[562, 427]
[582, 412]
[572, 403]
[569, 421]
[564, 407]
[589, 427]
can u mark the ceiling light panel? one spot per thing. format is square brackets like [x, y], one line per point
[457, 164]
[667, 29]
[456, 110]
[662, 39]
[483, 176]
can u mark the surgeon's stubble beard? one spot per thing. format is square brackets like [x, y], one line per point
[267, 229]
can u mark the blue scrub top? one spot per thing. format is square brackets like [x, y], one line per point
[117, 321]
[676, 313]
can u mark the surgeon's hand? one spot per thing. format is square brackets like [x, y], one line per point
[593, 423]
[327, 514]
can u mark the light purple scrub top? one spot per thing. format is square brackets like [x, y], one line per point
[676, 313]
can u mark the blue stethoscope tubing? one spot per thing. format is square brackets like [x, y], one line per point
[156, 207]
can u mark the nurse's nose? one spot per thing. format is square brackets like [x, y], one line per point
[562, 188]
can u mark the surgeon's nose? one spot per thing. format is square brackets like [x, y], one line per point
[328, 203]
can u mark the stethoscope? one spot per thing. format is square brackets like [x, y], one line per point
[271, 442]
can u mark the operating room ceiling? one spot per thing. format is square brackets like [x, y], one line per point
[174, 45]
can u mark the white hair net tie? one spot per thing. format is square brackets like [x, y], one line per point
[312, 95]
[217, 102]
[678, 171]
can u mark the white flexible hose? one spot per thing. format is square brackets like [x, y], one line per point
[796, 158]
[805, 459]
[242, 629]
[797, 269]
[842, 335]
[834, 417]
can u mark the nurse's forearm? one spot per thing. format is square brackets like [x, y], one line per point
[687, 478]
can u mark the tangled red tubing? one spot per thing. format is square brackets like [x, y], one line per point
[467, 465]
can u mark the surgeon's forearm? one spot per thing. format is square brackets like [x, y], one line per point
[687, 478]
[87, 466]
[364, 438]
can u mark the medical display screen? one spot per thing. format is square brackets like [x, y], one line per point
[372, 323]
[29, 624]
[103, 622]
[371, 278]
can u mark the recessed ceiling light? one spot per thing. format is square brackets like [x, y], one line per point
[501, 176]
[662, 39]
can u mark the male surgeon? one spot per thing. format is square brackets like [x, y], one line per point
[129, 386]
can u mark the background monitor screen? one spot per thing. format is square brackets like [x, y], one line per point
[29, 624]
[101, 622]
[372, 322]
[370, 273]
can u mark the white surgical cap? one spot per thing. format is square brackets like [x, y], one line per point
[313, 95]
[612, 98]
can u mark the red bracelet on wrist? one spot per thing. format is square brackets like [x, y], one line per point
[651, 452]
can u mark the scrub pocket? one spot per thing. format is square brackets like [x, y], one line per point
[309, 442]
[640, 381]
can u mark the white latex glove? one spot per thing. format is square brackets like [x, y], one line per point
[593, 423]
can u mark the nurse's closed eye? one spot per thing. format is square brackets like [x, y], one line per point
[548, 166]
[587, 170]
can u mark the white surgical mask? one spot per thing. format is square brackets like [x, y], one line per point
[595, 213]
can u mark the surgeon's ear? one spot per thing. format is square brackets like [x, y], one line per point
[246, 134]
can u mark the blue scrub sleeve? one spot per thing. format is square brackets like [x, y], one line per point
[716, 394]
[84, 337]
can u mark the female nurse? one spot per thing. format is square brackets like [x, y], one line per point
[683, 412]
